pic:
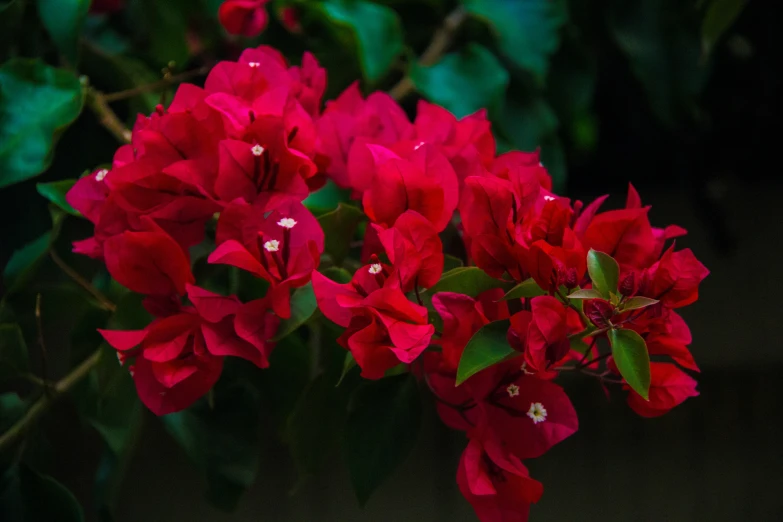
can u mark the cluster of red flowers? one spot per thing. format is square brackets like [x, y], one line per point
[253, 143]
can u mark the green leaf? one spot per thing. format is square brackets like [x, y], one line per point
[326, 199]
[635, 303]
[463, 82]
[55, 192]
[527, 288]
[720, 16]
[302, 307]
[339, 227]
[24, 262]
[63, 20]
[11, 409]
[222, 440]
[604, 272]
[13, 351]
[468, 280]
[314, 426]
[167, 26]
[338, 275]
[586, 294]
[381, 430]
[527, 31]
[488, 346]
[451, 262]
[46, 499]
[377, 31]
[526, 121]
[579, 345]
[348, 365]
[36, 101]
[629, 352]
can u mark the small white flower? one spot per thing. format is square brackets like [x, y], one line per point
[375, 268]
[254, 64]
[101, 174]
[257, 150]
[537, 412]
[513, 390]
[549, 198]
[418, 145]
[273, 245]
[288, 223]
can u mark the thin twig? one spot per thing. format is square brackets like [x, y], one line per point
[167, 81]
[41, 343]
[16, 432]
[440, 42]
[96, 100]
[73, 274]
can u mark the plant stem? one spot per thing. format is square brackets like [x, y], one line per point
[441, 41]
[96, 100]
[73, 274]
[16, 432]
[167, 81]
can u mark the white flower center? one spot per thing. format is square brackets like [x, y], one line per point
[257, 150]
[273, 245]
[537, 412]
[513, 390]
[288, 223]
[375, 268]
[549, 198]
[254, 64]
[101, 174]
[418, 145]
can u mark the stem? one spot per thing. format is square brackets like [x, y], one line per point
[96, 100]
[441, 41]
[105, 303]
[167, 81]
[588, 332]
[31, 416]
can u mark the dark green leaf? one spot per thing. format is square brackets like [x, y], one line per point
[167, 26]
[720, 16]
[302, 307]
[339, 227]
[36, 101]
[527, 288]
[526, 122]
[11, 409]
[348, 365]
[381, 430]
[377, 31]
[13, 351]
[527, 31]
[46, 499]
[326, 199]
[63, 19]
[25, 261]
[338, 275]
[604, 272]
[586, 294]
[636, 303]
[451, 262]
[55, 192]
[488, 346]
[314, 426]
[468, 280]
[629, 352]
[463, 82]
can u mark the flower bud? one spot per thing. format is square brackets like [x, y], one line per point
[599, 312]
[628, 284]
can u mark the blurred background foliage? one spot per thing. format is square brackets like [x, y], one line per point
[659, 91]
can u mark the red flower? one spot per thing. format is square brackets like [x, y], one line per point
[180, 357]
[497, 485]
[674, 280]
[276, 239]
[244, 17]
[669, 387]
[547, 336]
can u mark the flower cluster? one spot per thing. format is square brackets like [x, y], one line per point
[566, 287]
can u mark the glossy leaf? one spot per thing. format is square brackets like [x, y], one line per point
[451, 262]
[63, 20]
[377, 31]
[720, 16]
[586, 294]
[381, 430]
[302, 307]
[167, 26]
[468, 280]
[25, 261]
[463, 82]
[629, 352]
[488, 346]
[13, 351]
[37, 101]
[635, 303]
[339, 227]
[55, 192]
[604, 272]
[527, 31]
[44, 498]
[527, 288]
[326, 199]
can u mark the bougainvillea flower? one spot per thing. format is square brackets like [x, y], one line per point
[547, 336]
[276, 239]
[498, 486]
[674, 280]
[414, 250]
[669, 387]
[180, 357]
[624, 234]
[244, 17]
